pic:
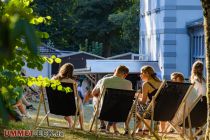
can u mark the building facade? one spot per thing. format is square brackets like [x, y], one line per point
[166, 34]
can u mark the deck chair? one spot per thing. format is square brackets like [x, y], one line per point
[165, 103]
[116, 106]
[196, 118]
[60, 103]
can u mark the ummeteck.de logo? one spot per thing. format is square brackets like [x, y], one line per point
[33, 133]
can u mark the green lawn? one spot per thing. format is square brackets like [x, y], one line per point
[28, 124]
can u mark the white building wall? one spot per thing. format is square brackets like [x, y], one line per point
[163, 28]
[46, 71]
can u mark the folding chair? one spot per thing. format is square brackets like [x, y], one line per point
[196, 117]
[165, 103]
[116, 106]
[60, 103]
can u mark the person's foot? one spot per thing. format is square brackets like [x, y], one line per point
[200, 133]
[27, 115]
[116, 132]
[126, 132]
[31, 107]
[18, 117]
[103, 128]
[138, 132]
[145, 132]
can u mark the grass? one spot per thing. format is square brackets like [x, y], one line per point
[28, 124]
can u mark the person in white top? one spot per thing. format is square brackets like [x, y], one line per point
[116, 81]
[198, 79]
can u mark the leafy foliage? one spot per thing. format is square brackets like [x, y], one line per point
[60, 26]
[18, 47]
[94, 47]
[113, 23]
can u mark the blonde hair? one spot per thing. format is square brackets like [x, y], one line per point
[149, 69]
[176, 75]
[197, 71]
[65, 71]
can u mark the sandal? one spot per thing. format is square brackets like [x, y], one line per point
[145, 132]
[116, 132]
[126, 132]
[138, 133]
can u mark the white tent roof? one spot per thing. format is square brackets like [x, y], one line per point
[108, 66]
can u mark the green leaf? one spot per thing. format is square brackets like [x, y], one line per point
[40, 19]
[4, 90]
[26, 3]
[40, 77]
[48, 17]
[68, 89]
[50, 60]
[45, 35]
[31, 38]
[30, 83]
[59, 88]
[58, 60]
[53, 57]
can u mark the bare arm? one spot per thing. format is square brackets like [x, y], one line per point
[96, 91]
[144, 93]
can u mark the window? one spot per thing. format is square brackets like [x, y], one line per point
[198, 50]
[142, 6]
[143, 46]
[157, 46]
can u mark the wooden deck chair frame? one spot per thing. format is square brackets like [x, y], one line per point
[46, 117]
[133, 108]
[183, 132]
[152, 106]
[183, 117]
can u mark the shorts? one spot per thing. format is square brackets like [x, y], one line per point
[141, 108]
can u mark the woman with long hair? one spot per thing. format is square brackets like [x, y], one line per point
[65, 74]
[197, 78]
[150, 85]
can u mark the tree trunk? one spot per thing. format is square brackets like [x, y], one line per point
[206, 16]
[106, 52]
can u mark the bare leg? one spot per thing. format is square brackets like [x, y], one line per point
[115, 127]
[108, 126]
[25, 102]
[148, 122]
[81, 120]
[19, 105]
[81, 114]
[139, 125]
[69, 120]
[162, 126]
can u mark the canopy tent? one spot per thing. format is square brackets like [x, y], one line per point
[108, 66]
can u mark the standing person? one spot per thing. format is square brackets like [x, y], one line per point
[85, 86]
[65, 74]
[198, 78]
[116, 81]
[150, 85]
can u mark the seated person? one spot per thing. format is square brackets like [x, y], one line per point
[117, 81]
[65, 74]
[178, 118]
[26, 91]
[32, 94]
[149, 87]
[17, 103]
[95, 99]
